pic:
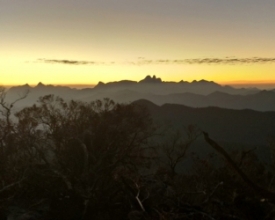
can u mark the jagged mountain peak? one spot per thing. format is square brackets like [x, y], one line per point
[149, 79]
[40, 84]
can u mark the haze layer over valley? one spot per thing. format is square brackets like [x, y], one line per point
[194, 94]
[232, 115]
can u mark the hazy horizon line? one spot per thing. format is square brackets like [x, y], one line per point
[235, 83]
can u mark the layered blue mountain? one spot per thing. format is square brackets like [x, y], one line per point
[233, 129]
[194, 94]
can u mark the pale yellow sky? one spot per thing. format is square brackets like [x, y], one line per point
[122, 31]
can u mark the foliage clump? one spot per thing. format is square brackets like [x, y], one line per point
[78, 160]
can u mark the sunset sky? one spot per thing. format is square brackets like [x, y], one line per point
[86, 41]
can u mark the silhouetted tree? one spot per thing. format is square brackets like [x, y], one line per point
[79, 160]
[87, 147]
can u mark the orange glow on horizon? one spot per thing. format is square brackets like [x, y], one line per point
[247, 82]
[238, 83]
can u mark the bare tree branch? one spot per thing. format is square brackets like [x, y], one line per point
[262, 191]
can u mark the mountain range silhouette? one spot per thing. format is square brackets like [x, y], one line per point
[234, 117]
[200, 93]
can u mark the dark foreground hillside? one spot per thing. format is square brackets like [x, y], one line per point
[102, 160]
[236, 126]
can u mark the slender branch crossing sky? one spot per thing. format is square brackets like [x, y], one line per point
[86, 41]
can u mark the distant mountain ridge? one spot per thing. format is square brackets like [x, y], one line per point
[155, 85]
[194, 94]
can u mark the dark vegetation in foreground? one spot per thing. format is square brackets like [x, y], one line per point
[101, 160]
